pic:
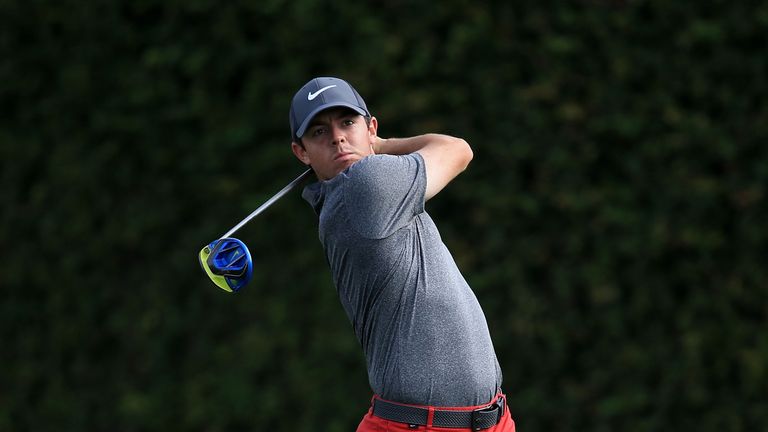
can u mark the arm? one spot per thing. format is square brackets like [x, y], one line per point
[444, 156]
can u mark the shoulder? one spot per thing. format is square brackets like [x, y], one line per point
[383, 193]
[379, 182]
[377, 171]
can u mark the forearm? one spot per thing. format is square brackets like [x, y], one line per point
[401, 146]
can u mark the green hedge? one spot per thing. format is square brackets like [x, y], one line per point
[612, 222]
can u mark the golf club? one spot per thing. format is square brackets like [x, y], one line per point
[227, 261]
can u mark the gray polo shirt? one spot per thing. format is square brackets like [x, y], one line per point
[424, 335]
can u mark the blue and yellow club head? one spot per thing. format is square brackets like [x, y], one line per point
[228, 263]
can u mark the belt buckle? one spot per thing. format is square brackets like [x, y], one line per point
[475, 418]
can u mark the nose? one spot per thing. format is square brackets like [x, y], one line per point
[338, 136]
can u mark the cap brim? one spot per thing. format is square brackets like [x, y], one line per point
[303, 127]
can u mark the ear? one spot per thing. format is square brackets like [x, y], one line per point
[300, 153]
[373, 127]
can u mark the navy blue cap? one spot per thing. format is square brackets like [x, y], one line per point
[319, 94]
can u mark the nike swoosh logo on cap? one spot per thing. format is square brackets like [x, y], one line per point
[312, 96]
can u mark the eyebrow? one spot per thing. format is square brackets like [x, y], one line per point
[343, 112]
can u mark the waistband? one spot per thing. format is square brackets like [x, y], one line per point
[475, 418]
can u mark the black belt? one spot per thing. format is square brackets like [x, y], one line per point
[478, 419]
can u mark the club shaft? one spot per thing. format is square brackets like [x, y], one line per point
[269, 202]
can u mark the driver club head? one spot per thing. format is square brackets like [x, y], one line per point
[227, 262]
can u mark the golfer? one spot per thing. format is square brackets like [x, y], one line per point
[430, 359]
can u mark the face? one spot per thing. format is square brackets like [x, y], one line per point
[335, 139]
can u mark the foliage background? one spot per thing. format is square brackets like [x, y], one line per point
[612, 223]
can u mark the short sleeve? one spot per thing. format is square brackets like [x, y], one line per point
[384, 193]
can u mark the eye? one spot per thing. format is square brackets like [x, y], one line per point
[317, 131]
[348, 122]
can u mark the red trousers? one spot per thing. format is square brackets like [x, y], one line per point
[371, 423]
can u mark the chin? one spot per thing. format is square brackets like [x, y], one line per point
[346, 163]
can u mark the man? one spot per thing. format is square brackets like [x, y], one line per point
[430, 359]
